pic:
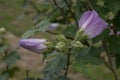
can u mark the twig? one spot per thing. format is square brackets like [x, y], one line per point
[48, 15]
[27, 74]
[88, 5]
[107, 64]
[111, 61]
[61, 10]
[34, 6]
[73, 15]
[68, 62]
[107, 52]
[113, 28]
[7, 67]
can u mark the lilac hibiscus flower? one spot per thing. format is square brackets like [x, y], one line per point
[91, 24]
[34, 45]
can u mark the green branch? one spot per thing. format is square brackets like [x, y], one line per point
[73, 14]
[111, 59]
[61, 10]
[68, 61]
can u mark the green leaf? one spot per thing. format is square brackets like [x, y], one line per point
[4, 76]
[114, 43]
[28, 33]
[117, 61]
[54, 67]
[56, 64]
[113, 5]
[70, 31]
[89, 55]
[43, 25]
[116, 21]
[3, 48]
[48, 76]
[30, 78]
[62, 78]
[12, 71]
[11, 59]
[102, 36]
[79, 8]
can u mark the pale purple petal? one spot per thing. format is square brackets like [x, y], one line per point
[92, 24]
[95, 29]
[31, 42]
[88, 21]
[118, 33]
[37, 49]
[34, 45]
[53, 26]
[95, 20]
[84, 18]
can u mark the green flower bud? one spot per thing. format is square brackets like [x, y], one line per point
[2, 30]
[61, 38]
[61, 46]
[77, 44]
[49, 45]
[80, 36]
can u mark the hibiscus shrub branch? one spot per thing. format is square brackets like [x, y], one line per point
[84, 45]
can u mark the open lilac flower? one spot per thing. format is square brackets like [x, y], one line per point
[91, 24]
[34, 45]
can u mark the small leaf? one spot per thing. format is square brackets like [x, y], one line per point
[3, 48]
[30, 78]
[89, 55]
[117, 61]
[102, 36]
[70, 31]
[28, 33]
[116, 21]
[43, 25]
[55, 66]
[12, 71]
[114, 43]
[62, 78]
[113, 5]
[4, 76]
[11, 59]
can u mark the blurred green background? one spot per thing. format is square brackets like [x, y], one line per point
[15, 20]
[12, 16]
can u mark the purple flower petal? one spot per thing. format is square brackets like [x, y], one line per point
[31, 42]
[34, 45]
[53, 26]
[85, 17]
[92, 24]
[95, 29]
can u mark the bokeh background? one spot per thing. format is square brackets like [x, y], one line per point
[18, 17]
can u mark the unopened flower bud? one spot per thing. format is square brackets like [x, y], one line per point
[34, 45]
[80, 35]
[53, 26]
[49, 45]
[61, 38]
[2, 30]
[61, 46]
[77, 44]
